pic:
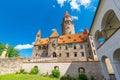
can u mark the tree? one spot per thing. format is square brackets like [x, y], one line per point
[12, 52]
[2, 46]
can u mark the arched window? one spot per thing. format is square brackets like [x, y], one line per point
[54, 54]
[39, 47]
[116, 58]
[81, 70]
[110, 23]
[75, 54]
[107, 66]
[74, 46]
[99, 39]
[56, 67]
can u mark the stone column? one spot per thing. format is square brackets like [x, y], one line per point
[5, 51]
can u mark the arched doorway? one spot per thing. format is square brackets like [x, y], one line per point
[110, 23]
[107, 68]
[54, 54]
[81, 70]
[116, 58]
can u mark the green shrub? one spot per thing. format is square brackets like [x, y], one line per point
[34, 70]
[82, 77]
[22, 70]
[55, 73]
[17, 72]
[92, 78]
[68, 77]
[45, 75]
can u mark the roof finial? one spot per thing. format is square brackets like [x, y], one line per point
[66, 14]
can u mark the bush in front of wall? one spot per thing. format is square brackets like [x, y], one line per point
[82, 77]
[55, 73]
[67, 77]
[93, 78]
[34, 70]
[22, 71]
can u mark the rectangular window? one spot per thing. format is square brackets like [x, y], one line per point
[66, 47]
[89, 53]
[36, 54]
[92, 44]
[94, 52]
[60, 55]
[82, 54]
[75, 54]
[67, 54]
[88, 45]
[60, 47]
[81, 46]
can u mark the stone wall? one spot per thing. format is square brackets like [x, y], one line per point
[70, 68]
[93, 68]
[8, 65]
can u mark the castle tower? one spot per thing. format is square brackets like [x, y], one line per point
[38, 35]
[67, 24]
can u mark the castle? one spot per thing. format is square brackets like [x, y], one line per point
[66, 46]
[106, 24]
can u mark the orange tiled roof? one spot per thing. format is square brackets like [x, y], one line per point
[72, 38]
[65, 38]
[42, 41]
[54, 34]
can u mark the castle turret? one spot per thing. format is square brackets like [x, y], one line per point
[38, 35]
[67, 24]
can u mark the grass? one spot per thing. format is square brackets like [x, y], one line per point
[24, 77]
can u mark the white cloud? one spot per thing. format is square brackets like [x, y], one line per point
[53, 29]
[33, 43]
[53, 6]
[74, 17]
[81, 30]
[61, 2]
[85, 3]
[24, 46]
[74, 5]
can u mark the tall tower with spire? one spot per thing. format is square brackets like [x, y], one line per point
[67, 25]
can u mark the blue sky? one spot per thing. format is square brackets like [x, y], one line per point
[21, 19]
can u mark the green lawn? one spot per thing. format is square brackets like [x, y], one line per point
[24, 77]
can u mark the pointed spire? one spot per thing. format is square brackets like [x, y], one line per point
[55, 33]
[67, 14]
[39, 33]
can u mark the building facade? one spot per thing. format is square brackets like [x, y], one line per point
[66, 46]
[105, 32]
